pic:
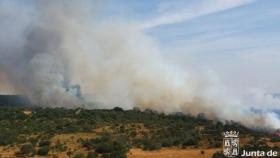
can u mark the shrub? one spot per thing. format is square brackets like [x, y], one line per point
[55, 156]
[166, 143]
[176, 142]
[69, 153]
[117, 154]
[275, 139]
[43, 151]
[149, 145]
[60, 147]
[133, 133]
[214, 144]
[33, 141]
[89, 144]
[92, 155]
[105, 156]
[105, 137]
[119, 149]
[218, 155]
[189, 141]
[21, 139]
[7, 138]
[44, 143]
[113, 149]
[27, 149]
[103, 148]
[79, 155]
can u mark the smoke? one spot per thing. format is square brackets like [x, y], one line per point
[60, 53]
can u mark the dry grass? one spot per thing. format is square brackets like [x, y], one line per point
[172, 153]
[71, 141]
[7, 152]
[138, 153]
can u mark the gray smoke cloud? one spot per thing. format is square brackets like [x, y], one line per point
[59, 53]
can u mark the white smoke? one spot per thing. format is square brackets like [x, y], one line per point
[58, 47]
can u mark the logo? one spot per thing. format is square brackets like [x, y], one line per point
[231, 143]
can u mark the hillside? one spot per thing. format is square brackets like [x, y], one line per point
[117, 133]
[14, 100]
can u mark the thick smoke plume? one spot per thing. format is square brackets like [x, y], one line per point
[52, 50]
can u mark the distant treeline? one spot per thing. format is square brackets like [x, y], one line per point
[14, 100]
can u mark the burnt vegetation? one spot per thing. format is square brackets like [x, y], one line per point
[31, 129]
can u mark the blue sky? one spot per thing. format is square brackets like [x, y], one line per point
[237, 39]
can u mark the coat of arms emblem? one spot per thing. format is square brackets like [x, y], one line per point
[231, 143]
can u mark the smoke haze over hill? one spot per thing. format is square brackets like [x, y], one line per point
[59, 53]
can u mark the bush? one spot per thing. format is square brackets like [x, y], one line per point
[117, 154]
[55, 156]
[44, 143]
[60, 147]
[69, 153]
[89, 144]
[43, 151]
[112, 149]
[175, 142]
[27, 149]
[105, 137]
[214, 144]
[33, 141]
[7, 138]
[21, 139]
[167, 143]
[92, 155]
[119, 150]
[189, 141]
[79, 155]
[149, 145]
[218, 155]
[103, 148]
[275, 139]
[105, 156]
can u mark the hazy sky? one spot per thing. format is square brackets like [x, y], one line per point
[237, 39]
[214, 56]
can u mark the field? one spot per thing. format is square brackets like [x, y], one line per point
[118, 133]
[173, 153]
[138, 153]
